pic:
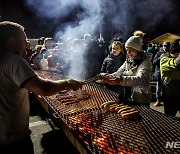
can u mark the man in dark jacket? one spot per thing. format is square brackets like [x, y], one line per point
[156, 75]
[170, 75]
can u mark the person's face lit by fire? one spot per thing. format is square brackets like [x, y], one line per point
[116, 49]
[132, 53]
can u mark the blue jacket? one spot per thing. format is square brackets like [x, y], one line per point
[156, 63]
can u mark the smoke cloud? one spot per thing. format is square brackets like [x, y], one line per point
[122, 16]
[109, 17]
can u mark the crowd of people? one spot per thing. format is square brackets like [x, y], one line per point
[124, 67]
[69, 54]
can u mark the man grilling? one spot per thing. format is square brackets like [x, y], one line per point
[16, 79]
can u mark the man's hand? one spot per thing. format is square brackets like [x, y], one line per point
[74, 84]
[101, 75]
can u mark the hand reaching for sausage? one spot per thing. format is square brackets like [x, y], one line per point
[75, 84]
[110, 79]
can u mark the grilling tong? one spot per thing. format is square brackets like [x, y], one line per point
[104, 77]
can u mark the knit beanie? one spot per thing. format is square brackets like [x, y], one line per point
[166, 43]
[175, 46]
[134, 42]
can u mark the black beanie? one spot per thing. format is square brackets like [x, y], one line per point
[175, 46]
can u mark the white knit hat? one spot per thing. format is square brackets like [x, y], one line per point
[134, 42]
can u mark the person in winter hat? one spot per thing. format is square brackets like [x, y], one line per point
[139, 33]
[134, 42]
[166, 43]
[134, 75]
[134, 50]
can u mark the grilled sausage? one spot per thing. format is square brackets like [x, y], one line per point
[130, 115]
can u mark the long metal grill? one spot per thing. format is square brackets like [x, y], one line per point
[66, 104]
[104, 131]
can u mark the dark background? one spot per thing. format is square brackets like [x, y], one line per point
[15, 10]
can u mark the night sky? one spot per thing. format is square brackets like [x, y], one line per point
[35, 26]
[14, 10]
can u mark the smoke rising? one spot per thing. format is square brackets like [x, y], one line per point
[110, 17]
[124, 16]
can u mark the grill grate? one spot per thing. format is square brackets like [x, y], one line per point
[98, 96]
[107, 132]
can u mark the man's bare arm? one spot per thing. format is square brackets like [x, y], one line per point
[46, 87]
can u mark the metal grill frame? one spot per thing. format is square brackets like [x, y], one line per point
[152, 138]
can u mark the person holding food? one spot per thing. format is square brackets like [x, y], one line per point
[113, 61]
[134, 75]
[17, 78]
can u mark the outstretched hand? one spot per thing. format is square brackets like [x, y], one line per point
[109, 79]
[75, 84]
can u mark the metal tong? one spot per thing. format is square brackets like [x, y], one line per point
[93, 79]
[99, 76]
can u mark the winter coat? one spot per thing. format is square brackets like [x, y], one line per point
[112, 63]
[156, 63]
[137, 75]
[170, 75]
